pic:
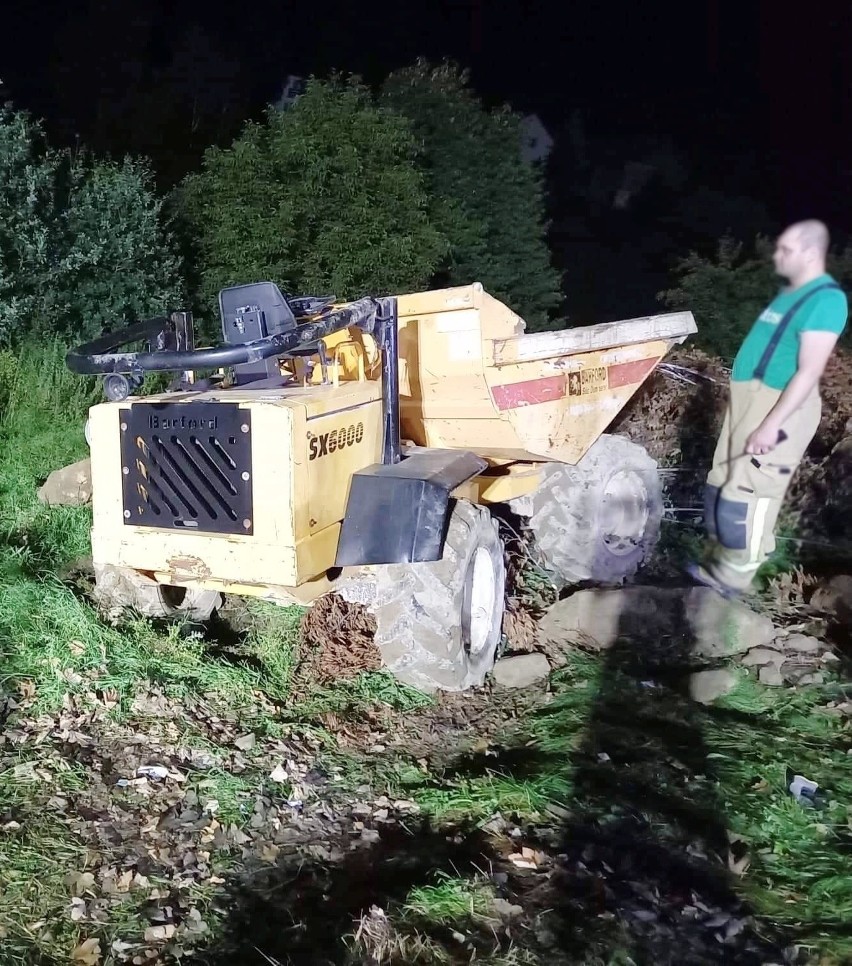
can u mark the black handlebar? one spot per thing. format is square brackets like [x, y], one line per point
[99, 355]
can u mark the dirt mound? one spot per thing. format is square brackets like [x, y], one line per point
[337, 641]
[821, 491]
[678, 412]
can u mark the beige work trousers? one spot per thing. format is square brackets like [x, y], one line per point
[744, 493]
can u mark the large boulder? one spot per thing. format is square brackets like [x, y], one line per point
[69, 486]
[684, 622]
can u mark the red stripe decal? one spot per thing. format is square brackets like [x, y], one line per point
[529, 393]
[627, 373]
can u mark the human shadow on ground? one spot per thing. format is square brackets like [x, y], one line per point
[647, 842]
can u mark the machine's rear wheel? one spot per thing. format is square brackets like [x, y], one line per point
[439, 624]
[597, 520]
[118, 589]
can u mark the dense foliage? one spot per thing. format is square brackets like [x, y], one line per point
[349, 193]
[485, 198]
[323, 197]
[82, 241]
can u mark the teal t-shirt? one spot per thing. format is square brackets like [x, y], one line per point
[824, 312]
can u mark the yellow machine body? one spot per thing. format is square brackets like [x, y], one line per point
[470, 378]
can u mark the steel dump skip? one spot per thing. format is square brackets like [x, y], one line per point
[472, 378]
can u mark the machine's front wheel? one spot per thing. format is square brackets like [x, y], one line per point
[597, 520]
[438, 624]
[119, 589]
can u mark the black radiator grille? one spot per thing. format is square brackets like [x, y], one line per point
[187, 466]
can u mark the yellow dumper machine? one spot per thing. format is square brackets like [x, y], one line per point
[358, 448]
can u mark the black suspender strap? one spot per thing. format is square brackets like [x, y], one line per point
[782, 326]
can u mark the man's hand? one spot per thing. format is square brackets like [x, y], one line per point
[763, 440]
[815, 349]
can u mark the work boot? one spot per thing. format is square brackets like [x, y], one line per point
[702, 575]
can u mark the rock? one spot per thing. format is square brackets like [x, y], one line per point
[506, 909]
[69, 486]
[801, 643]
[706, 686]
[589, 614]
[812, 677]
[521, 671]
[762, 655]
[688, 621]
[834, 598]
[771, 675]
[721, 627]
[795, 672]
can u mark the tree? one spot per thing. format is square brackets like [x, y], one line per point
[81, 241]
[485, 198]
[726, 293]
[118, 257]
[28, 220]
[324, 197]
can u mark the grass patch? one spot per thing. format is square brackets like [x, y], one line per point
[42, 861]
[57, 641]
[24, 778]
[42, 869]
[417, 930]
[35, 899]
[799, 872]
[360, 694]
[229, 798]
[449, 900]
[478, 799]
[679, 544]
[271, 643]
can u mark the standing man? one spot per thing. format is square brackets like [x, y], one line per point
[773, 411]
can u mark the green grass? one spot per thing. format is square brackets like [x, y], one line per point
[450, 900]
[39, 856]
[35, 923]
[799, 873]
[229, 798]
[35, 899]
[25, 777]
[417, 929]
[480, 798]
[679, 544]
[798, 877]
[56, 640]
[361, 693]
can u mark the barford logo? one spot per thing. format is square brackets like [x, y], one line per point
[327, 443]
[182, 422]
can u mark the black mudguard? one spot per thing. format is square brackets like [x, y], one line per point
[398, 513]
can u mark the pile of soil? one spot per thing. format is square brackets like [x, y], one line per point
[337, 641]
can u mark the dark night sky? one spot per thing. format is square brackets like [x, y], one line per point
[717, 76]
